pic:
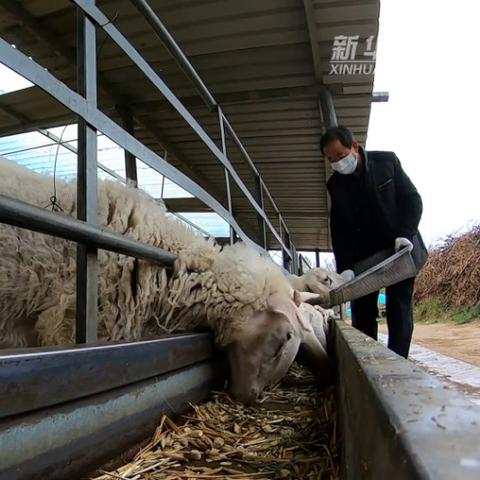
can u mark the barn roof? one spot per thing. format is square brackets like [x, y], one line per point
[264, 61]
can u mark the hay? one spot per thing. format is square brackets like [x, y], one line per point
[291, 434]
[452, 272]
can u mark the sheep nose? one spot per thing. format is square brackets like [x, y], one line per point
[247, 396]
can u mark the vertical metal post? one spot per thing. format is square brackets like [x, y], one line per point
[328, 109]
[292, 260]
[227, 176]
[317, 258]
[130, 160]
[87, 281]
[287, 262]
[261, 221]
[329, 121]
[295, 267]
[300, 264]
[162, 188]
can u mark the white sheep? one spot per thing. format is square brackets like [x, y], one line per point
[244, 298]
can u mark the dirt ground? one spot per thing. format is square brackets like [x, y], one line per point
[458, 341]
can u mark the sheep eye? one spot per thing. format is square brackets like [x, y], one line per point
[289, 336]
[278, 351]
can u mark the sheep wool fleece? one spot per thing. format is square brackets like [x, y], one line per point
[210, 286]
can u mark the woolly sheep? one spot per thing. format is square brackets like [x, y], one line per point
[244, 298]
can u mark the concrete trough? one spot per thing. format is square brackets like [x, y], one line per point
[396, 421]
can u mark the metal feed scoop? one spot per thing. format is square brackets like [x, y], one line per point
[381, 270]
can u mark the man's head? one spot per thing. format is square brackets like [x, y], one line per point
[341, 150]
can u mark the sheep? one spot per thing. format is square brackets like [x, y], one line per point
[244, 298]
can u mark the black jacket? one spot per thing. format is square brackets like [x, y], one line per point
[370, 210]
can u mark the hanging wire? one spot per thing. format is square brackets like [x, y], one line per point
[56, 207]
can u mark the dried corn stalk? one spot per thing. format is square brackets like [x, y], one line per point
[291, 434]
[452, 272]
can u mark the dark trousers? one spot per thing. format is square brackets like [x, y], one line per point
[399, 315]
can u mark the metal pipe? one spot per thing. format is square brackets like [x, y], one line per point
[29, 69]
[138, 60]
[221, 120]
[286, 253]
[74, 438]
[328, 109]
[130, 160]
[317, 258]
[261, 222]
[175, 51]
[162, 188]
[29, 376]
[294, 259]
[24, 215]
[87, 261]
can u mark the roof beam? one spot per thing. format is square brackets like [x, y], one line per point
[48, 37]
[325, 103]
[247, 96]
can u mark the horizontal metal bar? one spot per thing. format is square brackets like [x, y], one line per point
[75, 438]
[140, 62]
[29, 376]
[29, 69]
[175, 51]
[24, 215]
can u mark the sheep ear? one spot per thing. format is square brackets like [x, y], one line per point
[297, 298]
[313, 298]
[292, 312]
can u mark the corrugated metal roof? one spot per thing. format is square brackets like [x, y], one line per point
[255, 57]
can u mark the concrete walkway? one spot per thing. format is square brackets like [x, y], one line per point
[461, 375]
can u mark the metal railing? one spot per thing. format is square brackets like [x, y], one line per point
[84, 231]
[303, 264]
[225, 129]
[103, 22]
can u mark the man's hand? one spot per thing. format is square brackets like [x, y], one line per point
[347, 275]
[402, 242]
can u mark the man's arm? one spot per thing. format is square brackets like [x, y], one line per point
[409, 203]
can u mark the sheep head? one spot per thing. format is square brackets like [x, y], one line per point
[316, 280]
[264, 348]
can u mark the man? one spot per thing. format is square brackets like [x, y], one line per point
[374, 206]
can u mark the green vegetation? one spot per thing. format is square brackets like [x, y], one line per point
[433, 310]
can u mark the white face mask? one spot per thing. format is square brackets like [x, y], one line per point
[345, 165]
